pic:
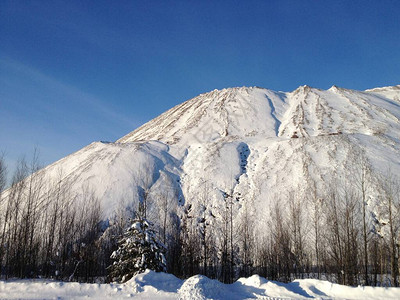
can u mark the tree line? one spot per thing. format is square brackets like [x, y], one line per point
[46, 230]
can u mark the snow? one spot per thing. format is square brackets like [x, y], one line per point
[152, 285]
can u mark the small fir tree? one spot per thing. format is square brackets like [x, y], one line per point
[138, 250]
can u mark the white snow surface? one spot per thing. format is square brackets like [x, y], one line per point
[152, 285]
[255, 143]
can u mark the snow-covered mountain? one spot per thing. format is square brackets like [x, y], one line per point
[258, 144]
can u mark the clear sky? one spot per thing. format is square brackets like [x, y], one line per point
[73, 72]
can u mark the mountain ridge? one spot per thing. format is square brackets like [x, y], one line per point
[147, 131]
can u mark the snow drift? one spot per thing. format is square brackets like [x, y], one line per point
[151, 285]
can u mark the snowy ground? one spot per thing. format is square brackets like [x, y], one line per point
[151, 285]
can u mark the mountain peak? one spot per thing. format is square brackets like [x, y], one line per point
[241, 112]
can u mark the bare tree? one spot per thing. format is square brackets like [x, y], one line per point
[87, 232]
[391, 189]
[144, 181]
[3, 205]
[55, 203]
[3, 177]
[246, 237]
[297, 234]
[351, 241]
[334, 234]
[316, 223]
[189, 239]
[282, 255]
[227, 242]
[11, 229]
[32, 203]
[224, 246]
[359, 175]
[204, 224]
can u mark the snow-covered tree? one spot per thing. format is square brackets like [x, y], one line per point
[138, 250]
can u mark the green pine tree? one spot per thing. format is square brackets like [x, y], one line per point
[138, 250]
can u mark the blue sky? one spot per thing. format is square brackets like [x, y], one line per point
[73, 72]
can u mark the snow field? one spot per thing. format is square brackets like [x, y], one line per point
[152, 285]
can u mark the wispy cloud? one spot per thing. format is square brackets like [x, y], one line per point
[99, 106]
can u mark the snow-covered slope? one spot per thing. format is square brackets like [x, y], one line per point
[255, 112]
[256, 143]
[116, 172]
